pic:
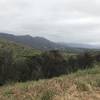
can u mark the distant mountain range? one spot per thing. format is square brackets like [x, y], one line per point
[42, 43]
[34, 42]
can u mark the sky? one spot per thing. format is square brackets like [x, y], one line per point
[75, 21]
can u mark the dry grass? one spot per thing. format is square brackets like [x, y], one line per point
[79, 86]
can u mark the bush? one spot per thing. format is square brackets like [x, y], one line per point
[21, 71]
[6, 60]
[47, 65]
[82, 86]
[85, 60]
[54, 64]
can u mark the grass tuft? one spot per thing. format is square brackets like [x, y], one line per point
[48, 95]
[83, 86]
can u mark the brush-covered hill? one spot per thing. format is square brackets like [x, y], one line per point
[41, 43]
[28, 64]
[34, 42]
[82, 85]
[18, 49]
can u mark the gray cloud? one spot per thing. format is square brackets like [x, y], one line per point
[58, 20]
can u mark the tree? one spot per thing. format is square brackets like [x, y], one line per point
[6, 59]
[85, 60]
[54, 64]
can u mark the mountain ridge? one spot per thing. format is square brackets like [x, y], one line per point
[35, 42]
[42, 43]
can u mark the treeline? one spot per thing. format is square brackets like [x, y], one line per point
[46, 65]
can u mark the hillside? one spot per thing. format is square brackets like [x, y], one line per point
[41, 43]
[18, 49]
[49, 75]
[82, 85]
[34, 42]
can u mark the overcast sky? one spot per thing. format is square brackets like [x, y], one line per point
[58, 20]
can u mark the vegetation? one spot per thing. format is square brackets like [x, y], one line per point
[79, 74]
[20, 64]
[82, 85]
[46, 65]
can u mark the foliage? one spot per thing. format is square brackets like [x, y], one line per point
[19, 63]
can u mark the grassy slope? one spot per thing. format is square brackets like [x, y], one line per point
[18, 49]
[83, 85]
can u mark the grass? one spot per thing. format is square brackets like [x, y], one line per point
[82, 85]
[48, 95]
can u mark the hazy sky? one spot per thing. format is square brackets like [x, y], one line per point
[58, 20]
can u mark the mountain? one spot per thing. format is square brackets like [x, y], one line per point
[45, 44]
[34, 42]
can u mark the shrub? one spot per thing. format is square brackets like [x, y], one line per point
[48, 95]
[85, 60]
[6, 60]
[82, 86]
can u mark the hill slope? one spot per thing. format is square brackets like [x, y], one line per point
[18, 49]
[41, 43]
[83, 85]
[35, 42]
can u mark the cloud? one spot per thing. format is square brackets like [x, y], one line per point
[58, 20]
